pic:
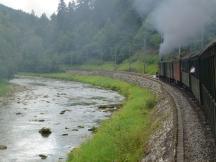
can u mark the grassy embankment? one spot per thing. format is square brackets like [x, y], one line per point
[147, 65]
[122, 138]
[5, 88]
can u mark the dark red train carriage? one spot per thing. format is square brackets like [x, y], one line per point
[177, 71]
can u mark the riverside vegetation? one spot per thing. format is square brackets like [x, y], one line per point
[147, 64]
[5, 88]
[125, 135]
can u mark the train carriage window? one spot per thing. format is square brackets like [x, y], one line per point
[215, 76]
[212, 77]
[194, 67]
[192, 70]
[208, 74]
[185, 66]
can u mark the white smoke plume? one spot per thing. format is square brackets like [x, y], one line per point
[145, 6]
[179, 21]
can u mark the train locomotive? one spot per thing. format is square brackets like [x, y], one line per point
[196, 73]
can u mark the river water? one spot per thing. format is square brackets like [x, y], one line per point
[69, 109]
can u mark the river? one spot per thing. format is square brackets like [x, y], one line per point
[69, 109]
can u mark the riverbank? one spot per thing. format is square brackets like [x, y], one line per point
[6, 88]
[70, 110]
[124, 137]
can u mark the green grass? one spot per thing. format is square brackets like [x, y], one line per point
[97, 66]
[139, 67]
[105, 66]
[5, 88]
[122, 138]
[136, 65]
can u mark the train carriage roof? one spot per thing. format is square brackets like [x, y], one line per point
[205, 52]
[186, 55]
[177, 57]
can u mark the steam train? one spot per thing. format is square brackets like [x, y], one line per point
[198, 74]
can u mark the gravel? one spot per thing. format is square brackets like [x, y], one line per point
[199, 144]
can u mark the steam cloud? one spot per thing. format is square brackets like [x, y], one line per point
[145, 6]
[178, 21]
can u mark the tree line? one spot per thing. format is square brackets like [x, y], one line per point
[85, 31]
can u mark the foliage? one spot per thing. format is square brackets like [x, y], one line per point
[5, 88]
[146, 64]
[80, 33]
[85, 32]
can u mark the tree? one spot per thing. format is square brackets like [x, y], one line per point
[62, 7]
[33, 13]
[61, 15]
[71, 6]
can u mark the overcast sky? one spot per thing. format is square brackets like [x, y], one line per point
[39, 6]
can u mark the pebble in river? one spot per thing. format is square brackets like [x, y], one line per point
[42, 156]
[3, 147]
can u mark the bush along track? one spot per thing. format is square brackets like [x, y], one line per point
[123, 137]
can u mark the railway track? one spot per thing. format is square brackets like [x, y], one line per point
[191, 138]
[198, 141]
[195, 141]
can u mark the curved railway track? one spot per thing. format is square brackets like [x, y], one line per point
[192, 138]
[195, 140]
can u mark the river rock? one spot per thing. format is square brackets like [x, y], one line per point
[42, 156]
[45, 132]
[3, 147]
[65, 134]
[64, 111]
[75, 130]
[38, 120]
[111, 106]
[81, 126]
[93, 129]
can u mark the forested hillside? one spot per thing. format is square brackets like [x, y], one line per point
[84, 32]
[78, 33]
[23, 42]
